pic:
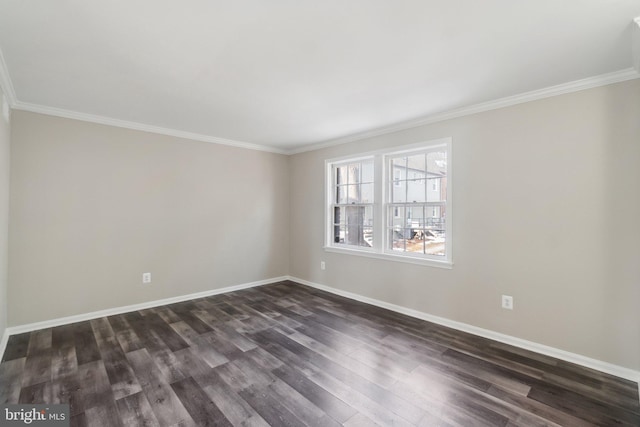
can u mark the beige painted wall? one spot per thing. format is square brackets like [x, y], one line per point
[546, 208]
[93, 207]
[4, 216]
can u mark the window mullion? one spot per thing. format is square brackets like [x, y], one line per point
[378, 208]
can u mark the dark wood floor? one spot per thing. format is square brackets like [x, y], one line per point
[288, 355]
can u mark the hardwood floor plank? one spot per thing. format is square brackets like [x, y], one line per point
[224, 349]
[240, 341]
[333, 406]
[166, 406]
[167, 314]
[146, 337]
[66, 390]
[376, 374]
[144, 368]
[17, 346]
[194, 322]
[197, 360]
[36, 394]
[372, 409]
[169, 365]
[135, 410]
[104, 416]
[549, 413]
[118, 323]
[101, 328]
[63, 362]
[123, 380]
[94, 388]
[37, 368]
[185, 331]
[172, 340]
[202, 410]
[263, 359]
[63, 336]
[11, 372]
[359, 420]
[78, 420]
[269, 408]
[304, 409]
[589, 409]
[85, 342]
[39, 342]
[129, 340]
[235, 409]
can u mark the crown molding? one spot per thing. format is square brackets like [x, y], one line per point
[5, 82]
[103, 120]
[574, 86]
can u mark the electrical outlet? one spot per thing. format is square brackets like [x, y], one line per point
[146, 277]
[323, 266]
[507, 302]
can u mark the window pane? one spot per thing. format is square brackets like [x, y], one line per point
[415, 217]
[437, 176]
[359, 218]
[367, 236]
[342, 197]
[341, 175]
[339, 216]
[435, 235]
[399, 164]
[368, 217]
[437, 163]
[396, 216]
[399, 192]
[396, 240]
[354, 173]
[367, 171]
[414, 242]
[366, 193]
[359, 193]
[416, 166]
[416, 190]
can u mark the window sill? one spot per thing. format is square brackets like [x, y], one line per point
[391, 257]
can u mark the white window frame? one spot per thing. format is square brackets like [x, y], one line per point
[382, 180]
[332, 204]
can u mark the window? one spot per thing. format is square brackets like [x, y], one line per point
[393, 204]
[352, 206]
[423, 229]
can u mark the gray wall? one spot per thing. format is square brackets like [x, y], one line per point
[546, 209]
[93, 207]
[4, 216]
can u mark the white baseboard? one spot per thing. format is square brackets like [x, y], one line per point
[578, 359]
[128, 308]
[609, 368]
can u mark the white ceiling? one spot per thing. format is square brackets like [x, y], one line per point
[288, 73]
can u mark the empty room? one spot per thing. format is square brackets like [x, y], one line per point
[297, 213]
